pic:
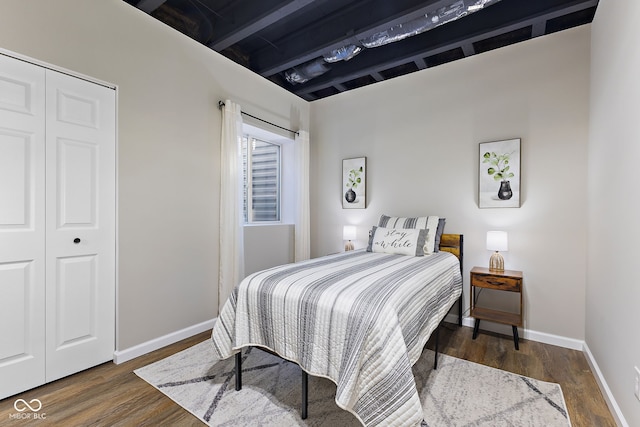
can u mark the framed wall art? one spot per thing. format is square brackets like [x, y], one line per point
[499, 180]
[354, 183]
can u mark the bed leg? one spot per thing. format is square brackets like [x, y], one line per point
[460, 311]
[305, 394]
[239, 371]
[435, 359]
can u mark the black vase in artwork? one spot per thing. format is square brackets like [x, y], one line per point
[350, 195]
[505, 193]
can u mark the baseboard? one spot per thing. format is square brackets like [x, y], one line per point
[122, 356]
[528, 334]
[558, 340]
[604, 388]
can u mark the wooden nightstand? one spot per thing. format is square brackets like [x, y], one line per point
[507, 280]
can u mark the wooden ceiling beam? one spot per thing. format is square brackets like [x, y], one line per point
[247, 22]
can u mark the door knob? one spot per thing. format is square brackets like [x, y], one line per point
[76, 240]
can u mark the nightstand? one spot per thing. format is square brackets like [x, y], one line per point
[507, 280]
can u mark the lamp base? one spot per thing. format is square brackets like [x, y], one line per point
[496, 263]
[349, 246]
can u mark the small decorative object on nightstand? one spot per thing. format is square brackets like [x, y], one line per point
[349, 234]
[497, 241]
[507, 280]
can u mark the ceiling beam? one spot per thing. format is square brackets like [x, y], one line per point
[454, 35]
[338, 30]
[149, 5]
[468, 49]
[420, 63]
[376, 76]
[247, 21]
[538, 28]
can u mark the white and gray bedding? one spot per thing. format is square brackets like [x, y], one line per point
[358, 318]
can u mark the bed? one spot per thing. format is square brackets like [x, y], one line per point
[360, 318]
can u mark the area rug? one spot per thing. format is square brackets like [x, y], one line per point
[458, 393]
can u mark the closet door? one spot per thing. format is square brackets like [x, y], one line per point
[80, 238]
[22, 226]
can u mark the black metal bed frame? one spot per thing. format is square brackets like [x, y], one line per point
[305, 376]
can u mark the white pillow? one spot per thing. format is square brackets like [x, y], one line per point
[429, 222]
[398, 241]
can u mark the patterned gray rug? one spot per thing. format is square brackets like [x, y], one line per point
[458, 393]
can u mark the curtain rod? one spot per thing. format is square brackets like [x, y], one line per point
[221, 104]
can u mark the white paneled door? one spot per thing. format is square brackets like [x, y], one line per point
[57, 225]
[80, 224]
[22, 225]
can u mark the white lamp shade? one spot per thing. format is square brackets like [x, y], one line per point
[497, 241]
[349, 232]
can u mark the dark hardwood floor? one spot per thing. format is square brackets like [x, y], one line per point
[112, 395]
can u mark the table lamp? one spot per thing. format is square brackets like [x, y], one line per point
[349, 234]
[497, 241]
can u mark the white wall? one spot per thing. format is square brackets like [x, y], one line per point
[420, 134]
[267, 246]
[613, 293]
[169, 144]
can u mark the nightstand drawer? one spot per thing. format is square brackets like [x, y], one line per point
[511, 284]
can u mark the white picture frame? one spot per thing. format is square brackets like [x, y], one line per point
[499, 174]
[354, 183]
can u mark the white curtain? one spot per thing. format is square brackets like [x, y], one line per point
[302, 214]
[231, 200]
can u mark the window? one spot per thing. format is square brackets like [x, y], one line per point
[261, 170]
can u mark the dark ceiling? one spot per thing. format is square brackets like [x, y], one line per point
[290, 42]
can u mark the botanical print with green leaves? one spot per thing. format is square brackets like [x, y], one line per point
[499, 165]
[354, 178]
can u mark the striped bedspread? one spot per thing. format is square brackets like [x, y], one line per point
[358, 318]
